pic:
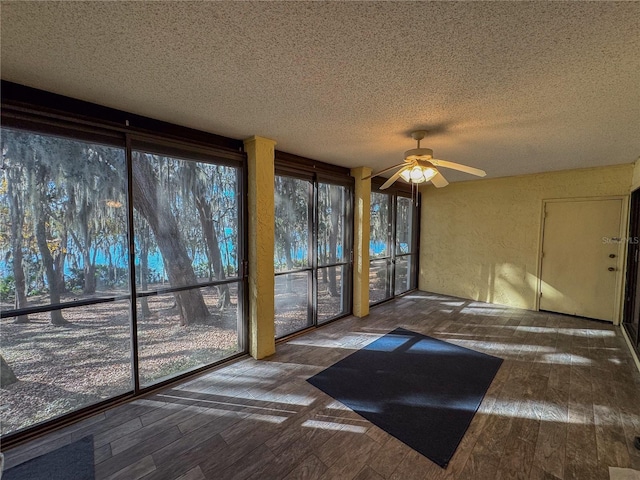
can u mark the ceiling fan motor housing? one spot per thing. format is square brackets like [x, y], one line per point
[418, 154]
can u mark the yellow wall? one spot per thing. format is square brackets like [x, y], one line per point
[480, 239]
[261, 201]
[361, 224]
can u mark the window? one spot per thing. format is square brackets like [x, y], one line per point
[333, 251]
[380, 251]
[293, 261]
[405, 243]
[392, 245]
[186, 225]
[313, 242]
[65, 276]
[87, 225]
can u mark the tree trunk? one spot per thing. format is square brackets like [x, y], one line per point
[287, 254]
[17, 221]
[334, 193]
[155, 208]
[7, 377]
[90, 282]
[84, 243]
[89, 264]
[144, 269]
[89, 268]
[213, 248]
[49, 269]
[53, 277]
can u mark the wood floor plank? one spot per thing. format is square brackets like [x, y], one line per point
[416, 467]
[137, 452]
[311, 468]
[244, 467]
[388, 457]
[191, 450]
[135, 471]
[193, 474]
[351, 461]
[367, 473]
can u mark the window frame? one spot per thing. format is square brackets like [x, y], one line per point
[399, 190]
[29, 109]
[315, 172]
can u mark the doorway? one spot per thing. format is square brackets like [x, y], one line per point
[581, 257]
[393, 245]
[631, 317]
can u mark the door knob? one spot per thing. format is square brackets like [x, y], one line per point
[611, 269]
[612, 255]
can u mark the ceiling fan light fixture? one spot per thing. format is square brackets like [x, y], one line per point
[429, 173]
[418, 174]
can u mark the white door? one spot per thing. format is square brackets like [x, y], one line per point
[581, 249]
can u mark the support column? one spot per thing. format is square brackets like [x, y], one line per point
[260, 156]
[361, 220]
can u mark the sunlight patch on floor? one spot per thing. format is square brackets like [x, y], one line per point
[616, 473]
[268, 418]
[334, 426]
[238, 404]
[484, 312]
[583, 332]
[565, 359]
[444, 402]
[336, 405]
[347, 342]
[504, 347]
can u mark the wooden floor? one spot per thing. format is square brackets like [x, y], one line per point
[564, 405]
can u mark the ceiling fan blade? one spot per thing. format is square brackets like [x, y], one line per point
[392, 179]
[456, 166]
[385, 170]
[439, 181]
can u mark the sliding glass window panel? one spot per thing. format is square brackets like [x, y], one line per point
[292, 312]
[379, 281]
[63, 242]
[403, 274]
[186, 224]
[64, 368]
[405, 210]
[166, 348]
[292, 228]
[380, 225]
[64, 220]
[186, 221]
[332, 213]
[332, 294]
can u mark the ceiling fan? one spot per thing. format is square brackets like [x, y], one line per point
[419, 166]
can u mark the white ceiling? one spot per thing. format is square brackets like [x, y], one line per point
[510, 87]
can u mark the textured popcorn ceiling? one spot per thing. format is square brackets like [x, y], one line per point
[510, 87]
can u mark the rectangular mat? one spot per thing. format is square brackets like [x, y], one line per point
[421, 390]
[71, 462]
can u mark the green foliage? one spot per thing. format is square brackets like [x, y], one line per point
[7, 288]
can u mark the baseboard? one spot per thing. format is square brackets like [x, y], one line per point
[633, 351]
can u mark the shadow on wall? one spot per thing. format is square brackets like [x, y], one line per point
[507, 284]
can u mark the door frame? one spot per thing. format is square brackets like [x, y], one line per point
[622, 250]
[633, 343]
